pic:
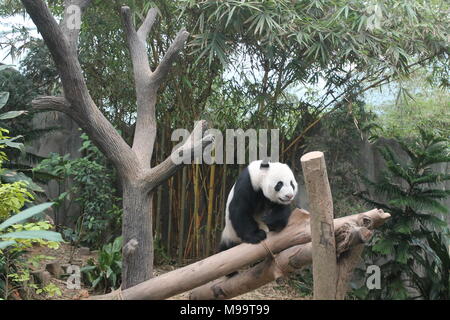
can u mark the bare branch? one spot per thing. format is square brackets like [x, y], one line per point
[51, 103]
[55, 103]
[147, 25]
[127, 22]
[164, 66]
[184, 154]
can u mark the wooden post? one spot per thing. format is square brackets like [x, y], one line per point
[325, 270]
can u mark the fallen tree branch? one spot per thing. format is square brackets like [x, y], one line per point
[297, 232]
[287, 261]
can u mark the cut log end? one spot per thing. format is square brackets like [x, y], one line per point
[311, 156]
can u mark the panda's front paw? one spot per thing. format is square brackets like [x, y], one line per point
[256, 237]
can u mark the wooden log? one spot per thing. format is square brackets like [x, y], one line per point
[325, 268]
[194, 275]
[287, 261]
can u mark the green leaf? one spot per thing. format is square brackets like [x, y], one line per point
[34, 234]
[6, 66]
[10, 176]
[109, 271]
[87, 268]
[4, 96]
[11, 114]
[4, 244]
[384, 246]
[95, 282]
[21, 216]
[402, 253]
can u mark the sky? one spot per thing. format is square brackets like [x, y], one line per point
[5, 26]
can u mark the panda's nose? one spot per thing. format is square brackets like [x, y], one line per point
[289, 196]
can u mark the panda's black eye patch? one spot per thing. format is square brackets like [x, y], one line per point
[278, 186]
[292, 185]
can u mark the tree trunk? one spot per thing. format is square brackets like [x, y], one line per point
[137, 236]
[132, 163]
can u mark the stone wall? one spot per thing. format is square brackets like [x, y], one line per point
[66, 140]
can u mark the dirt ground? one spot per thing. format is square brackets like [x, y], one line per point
[67, 254]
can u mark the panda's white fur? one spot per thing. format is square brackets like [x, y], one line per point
[259, 200]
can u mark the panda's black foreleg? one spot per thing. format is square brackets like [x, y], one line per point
[247, 229]
[277, 218]
[245, 226]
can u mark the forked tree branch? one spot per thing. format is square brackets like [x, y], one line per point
[76, 93]
[194, 145]
[147, 25]
[146, 81]
[162, 70]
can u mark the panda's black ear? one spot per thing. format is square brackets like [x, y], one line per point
[264, 164]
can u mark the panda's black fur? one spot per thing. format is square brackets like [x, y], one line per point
[248, 205]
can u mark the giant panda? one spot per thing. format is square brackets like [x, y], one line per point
[258, 202]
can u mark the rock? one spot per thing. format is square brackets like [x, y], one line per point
[84, 251]
[41, 276]
[55, 269]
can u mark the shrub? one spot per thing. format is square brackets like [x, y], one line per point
[412, 247]
[105, 274]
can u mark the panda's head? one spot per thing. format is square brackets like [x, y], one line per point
[278, 182]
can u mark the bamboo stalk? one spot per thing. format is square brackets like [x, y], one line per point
[210, 209]
[182, 216]
[224, 197]
[169, 218]
[196, 209]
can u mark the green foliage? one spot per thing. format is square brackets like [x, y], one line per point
[412, 247]
[13, 197]
[93, 189]
[14, 269]
[4, 97]
[105, 273]
[29, 233]
[160, 253]
[303, 282]
[419, 104]
[273, 46]
[15, 235]
[340, 136]
[50, 290]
